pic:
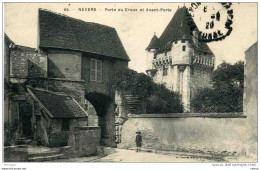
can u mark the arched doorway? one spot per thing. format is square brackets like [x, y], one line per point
[104, 109]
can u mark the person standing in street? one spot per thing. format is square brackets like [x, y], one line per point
[138, 141]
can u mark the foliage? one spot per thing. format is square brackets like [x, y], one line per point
[164, 101]
[227, 92]
[156, 98]
[227, 75]
[132, 82]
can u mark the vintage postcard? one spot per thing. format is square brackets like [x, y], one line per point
[130, 82]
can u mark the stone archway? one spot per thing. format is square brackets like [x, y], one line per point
[104, 109]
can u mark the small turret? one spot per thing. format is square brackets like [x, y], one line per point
[154, 43]
[151, 50]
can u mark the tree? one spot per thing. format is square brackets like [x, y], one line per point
[229, 76]
[156, 98]
[227, 92]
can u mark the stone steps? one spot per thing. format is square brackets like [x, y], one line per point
[45, 157]
[50, 153]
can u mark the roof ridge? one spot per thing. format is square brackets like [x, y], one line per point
[44, 90]
[76, 19]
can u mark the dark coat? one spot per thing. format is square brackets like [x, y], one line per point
[138, 140]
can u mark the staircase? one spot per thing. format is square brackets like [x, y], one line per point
[42, 154]
[23, 141]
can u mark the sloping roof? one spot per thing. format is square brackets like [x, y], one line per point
[8, 40]
[60, 31]
[59, 106]
[25, 49]
[154, 43]
[255, 45]
[178, 29]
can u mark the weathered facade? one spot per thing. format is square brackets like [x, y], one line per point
[88, 54]
[75, 59]
[178, 60]
[55, 117]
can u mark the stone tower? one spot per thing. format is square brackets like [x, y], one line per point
[178, 60]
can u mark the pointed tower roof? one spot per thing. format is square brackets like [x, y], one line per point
[154, 43]
[179, 28]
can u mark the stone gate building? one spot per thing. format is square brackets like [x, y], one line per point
[71, 70]
[178, 60]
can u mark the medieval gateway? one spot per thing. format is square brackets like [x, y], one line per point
[179, 60]
[63, 84]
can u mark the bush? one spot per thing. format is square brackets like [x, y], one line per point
[164, 101]
[227, 92]
[156, 98]
[218, 100]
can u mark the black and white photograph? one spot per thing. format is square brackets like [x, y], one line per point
[133, 82]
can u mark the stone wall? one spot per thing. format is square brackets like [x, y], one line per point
[85, 140]
[25, 64]
[250, 99]
[200, 78]
[50, 132]
[64, 64]
[207, 134]
[76, 89]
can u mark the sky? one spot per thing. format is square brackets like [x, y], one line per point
[135, 28]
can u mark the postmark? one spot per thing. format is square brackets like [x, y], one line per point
[214, 20]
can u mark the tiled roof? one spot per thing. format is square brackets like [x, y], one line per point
[178, 29]
[59, 106]
[60, 31]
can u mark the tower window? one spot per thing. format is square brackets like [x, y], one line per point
[182, 41]
[184, 48]
[165, 72]
[176, 42]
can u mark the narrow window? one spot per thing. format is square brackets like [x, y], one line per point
[183, 48]
[95, 70]
[165, 72]
[65, 125]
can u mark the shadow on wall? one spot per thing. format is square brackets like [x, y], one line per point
[54, 71]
